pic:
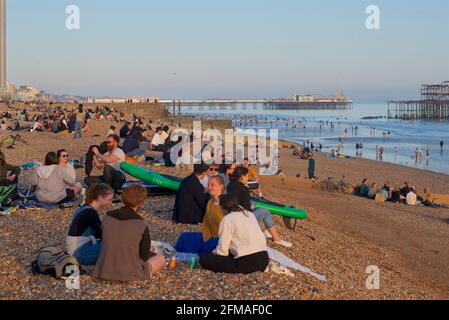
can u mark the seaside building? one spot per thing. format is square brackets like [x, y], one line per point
[26, 93]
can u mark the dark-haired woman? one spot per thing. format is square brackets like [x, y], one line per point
[242, 246]
[239, 188]
[84, 234]
[52, 182]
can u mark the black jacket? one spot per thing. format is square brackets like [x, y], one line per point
[191, 201]
[241, 192]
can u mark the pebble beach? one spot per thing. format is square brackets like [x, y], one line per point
[341, 238]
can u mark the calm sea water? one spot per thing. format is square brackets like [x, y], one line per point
[405, 136]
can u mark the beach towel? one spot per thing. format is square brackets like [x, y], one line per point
[289, 263]
[32, 202]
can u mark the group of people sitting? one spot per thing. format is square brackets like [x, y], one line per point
[54, 181]
[406, 194]
[120, 245]
[226, 192]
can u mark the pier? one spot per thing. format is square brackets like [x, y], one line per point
[175, 106]
[434, 104]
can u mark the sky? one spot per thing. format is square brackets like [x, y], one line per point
[241, 49]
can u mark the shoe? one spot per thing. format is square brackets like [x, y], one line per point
[284, 243]
[267, 235]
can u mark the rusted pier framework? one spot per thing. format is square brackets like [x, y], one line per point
[434, 104]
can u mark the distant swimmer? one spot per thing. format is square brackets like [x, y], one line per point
[441, 145]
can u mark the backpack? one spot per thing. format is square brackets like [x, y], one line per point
[27, 180]
[52, 261]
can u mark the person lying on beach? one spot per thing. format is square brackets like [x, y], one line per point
[110, 163]
[191, 200]
[242, 246]
[8, 173]
[84, 236]
[52, 182]
[214, 214]
[126, 242]
[239, 188]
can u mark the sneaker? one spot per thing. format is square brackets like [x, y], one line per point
[284, 243]
[267, 235]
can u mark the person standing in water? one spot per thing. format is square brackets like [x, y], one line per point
[441, 145]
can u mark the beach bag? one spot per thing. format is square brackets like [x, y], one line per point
[52, 261]
[27, 181]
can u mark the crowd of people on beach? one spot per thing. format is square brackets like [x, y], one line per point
[407, 194]
[215, 196]
[234, 233]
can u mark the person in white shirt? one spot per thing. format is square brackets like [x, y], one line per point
[242, 246]
[412, 198]
[110, 163]
[158, 141]
[111, 131]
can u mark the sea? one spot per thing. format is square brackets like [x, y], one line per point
[345, 129]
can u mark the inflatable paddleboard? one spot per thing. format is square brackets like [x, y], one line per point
[173, 183]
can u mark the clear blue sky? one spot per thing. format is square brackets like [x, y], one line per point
[229, 49]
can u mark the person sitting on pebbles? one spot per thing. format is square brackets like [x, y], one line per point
[8, 173]
[52, 181]
[214, 214]
[125, 254]
[239, 188]
[242, 247]
[84, 234]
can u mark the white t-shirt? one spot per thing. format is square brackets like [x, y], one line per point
[109, 133]
[120, 155]
[159, 139]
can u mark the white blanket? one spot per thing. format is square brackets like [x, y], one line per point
[289, 263]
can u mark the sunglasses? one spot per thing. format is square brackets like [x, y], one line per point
[65, 156]
[213, 169]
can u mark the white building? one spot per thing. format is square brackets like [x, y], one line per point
[26, 93]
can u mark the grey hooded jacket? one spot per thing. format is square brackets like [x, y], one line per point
[52, 182]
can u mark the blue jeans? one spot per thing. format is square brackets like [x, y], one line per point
[265, 216]
[136, 153]
[88, 254]
[78, 132]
